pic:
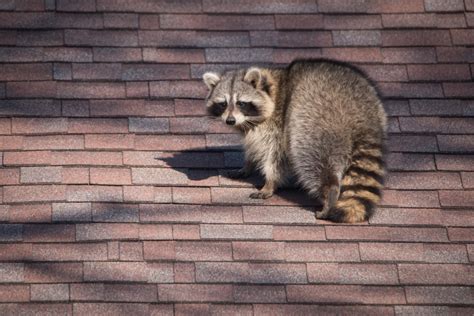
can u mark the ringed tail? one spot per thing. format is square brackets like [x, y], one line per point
[361, 186]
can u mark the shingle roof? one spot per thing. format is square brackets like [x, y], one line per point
[114, 195]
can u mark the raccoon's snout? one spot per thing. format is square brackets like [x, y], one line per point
[230, 120]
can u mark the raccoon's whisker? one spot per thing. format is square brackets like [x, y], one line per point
[255, 119]
[247, 125]
[251, 123]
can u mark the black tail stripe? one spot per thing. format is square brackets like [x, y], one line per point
[367, 173]
[360, 187]
[368, 204]
[373, 159]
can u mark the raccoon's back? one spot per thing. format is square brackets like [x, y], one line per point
[331, 90]
[332, 98]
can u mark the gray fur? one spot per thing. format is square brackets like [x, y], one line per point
[315, 114]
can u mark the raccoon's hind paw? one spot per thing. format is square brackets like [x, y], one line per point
[260, 195]
[238, 174]
[322, 214]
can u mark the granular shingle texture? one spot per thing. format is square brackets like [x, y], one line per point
[114, 199]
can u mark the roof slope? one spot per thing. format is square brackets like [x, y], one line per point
[113, 199]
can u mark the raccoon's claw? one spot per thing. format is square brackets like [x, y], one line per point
[260, 195]
[237, 174]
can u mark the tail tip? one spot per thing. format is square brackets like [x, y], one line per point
[341, 215]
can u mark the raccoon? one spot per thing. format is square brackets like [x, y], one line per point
[319, 121]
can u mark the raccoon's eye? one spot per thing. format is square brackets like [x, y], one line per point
[248, 108]
[244, 105]
[221, 105]
[216, 109]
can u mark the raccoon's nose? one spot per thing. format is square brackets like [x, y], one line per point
[230, 120]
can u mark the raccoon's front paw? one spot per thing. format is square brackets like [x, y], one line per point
[260, 195]
[238, 174]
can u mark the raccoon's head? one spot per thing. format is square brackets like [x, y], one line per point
[241, 98]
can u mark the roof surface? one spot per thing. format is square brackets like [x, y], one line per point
[114, 199]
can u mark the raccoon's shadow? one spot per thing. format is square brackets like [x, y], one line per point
[214, 163]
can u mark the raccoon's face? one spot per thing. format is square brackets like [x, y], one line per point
[240, 98]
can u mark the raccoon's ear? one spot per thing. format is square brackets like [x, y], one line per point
[253, 76]
[211, 79]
